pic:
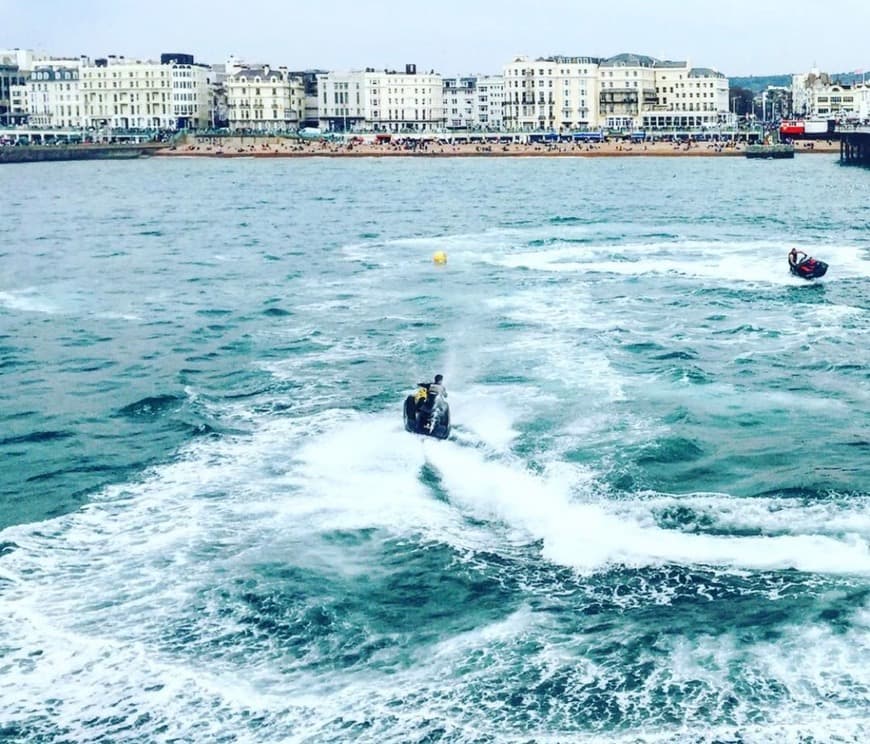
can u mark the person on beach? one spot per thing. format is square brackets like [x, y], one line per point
[795, 257]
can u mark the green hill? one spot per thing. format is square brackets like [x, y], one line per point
[758, 83]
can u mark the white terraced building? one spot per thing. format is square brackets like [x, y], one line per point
[627, 90]
[490, 101]
[460, 94]
[381, 101]
[688, 98]
[623, 93]
[551, 93]
[265, 99]
[121, 93]
[473, 102]
[53, 97]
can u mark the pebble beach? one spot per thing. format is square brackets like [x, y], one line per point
[276, 147]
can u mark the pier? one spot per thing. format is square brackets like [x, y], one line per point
[854, 145]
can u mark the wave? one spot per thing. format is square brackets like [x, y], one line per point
[744, 262]
[37, 437]
[152, 407]
[29, 301]
[341, 564]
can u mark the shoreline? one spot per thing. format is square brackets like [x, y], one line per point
[278, 148]
[281, 149]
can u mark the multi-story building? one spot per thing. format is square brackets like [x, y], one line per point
[20, 106]
[473, 102]
[120, 93]
[311, 109]
[836, 101]
[460, 95]
[815, 95]
[805, 89]
[627, 90]
[862, 102]
[551, 93]
[53, 97]
[263, 99]
[49, 99]
[345, 101]
[20, 58]
[622, 93]
[387, 101]
[490, 101]
[13, 76]
[192, 91]
[688, 98]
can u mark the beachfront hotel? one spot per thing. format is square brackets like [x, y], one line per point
[264, 99]
[473, 102]
[53, 97]
[552, 93]
[385, 101]
[120, 93]
[687, 98]
[625, 92]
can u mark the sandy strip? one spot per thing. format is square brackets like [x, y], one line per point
[283, 149]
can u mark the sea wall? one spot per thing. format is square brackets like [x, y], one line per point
[44, 153]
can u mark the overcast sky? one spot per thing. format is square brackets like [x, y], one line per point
[737, 37]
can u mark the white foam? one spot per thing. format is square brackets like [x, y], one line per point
[846, 518]
[492, 422]
[752, 262]
[28, 300]
[94, 590]
[589, 537]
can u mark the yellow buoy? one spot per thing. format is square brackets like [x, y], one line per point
[440, 257]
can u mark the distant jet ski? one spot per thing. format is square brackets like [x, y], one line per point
[808, 268]
[427, 412]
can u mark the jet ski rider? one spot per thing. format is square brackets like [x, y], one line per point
[793, 257]
[437, 387]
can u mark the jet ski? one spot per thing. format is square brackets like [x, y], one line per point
[809, 268]
[426, 412]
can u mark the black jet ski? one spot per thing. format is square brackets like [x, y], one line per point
[809, 268]
[427, 413]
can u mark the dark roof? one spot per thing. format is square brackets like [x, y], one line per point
[705, 72]
[262, 71]
[54, 74]
[629, 60]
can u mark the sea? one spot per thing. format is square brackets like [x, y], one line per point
[650, 523]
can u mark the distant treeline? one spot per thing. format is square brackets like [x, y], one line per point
[758, 83]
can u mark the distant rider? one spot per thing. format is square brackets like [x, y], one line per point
[794, 257]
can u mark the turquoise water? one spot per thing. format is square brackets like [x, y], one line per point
[651, 522]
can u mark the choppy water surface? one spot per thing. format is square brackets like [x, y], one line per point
[651, 523]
